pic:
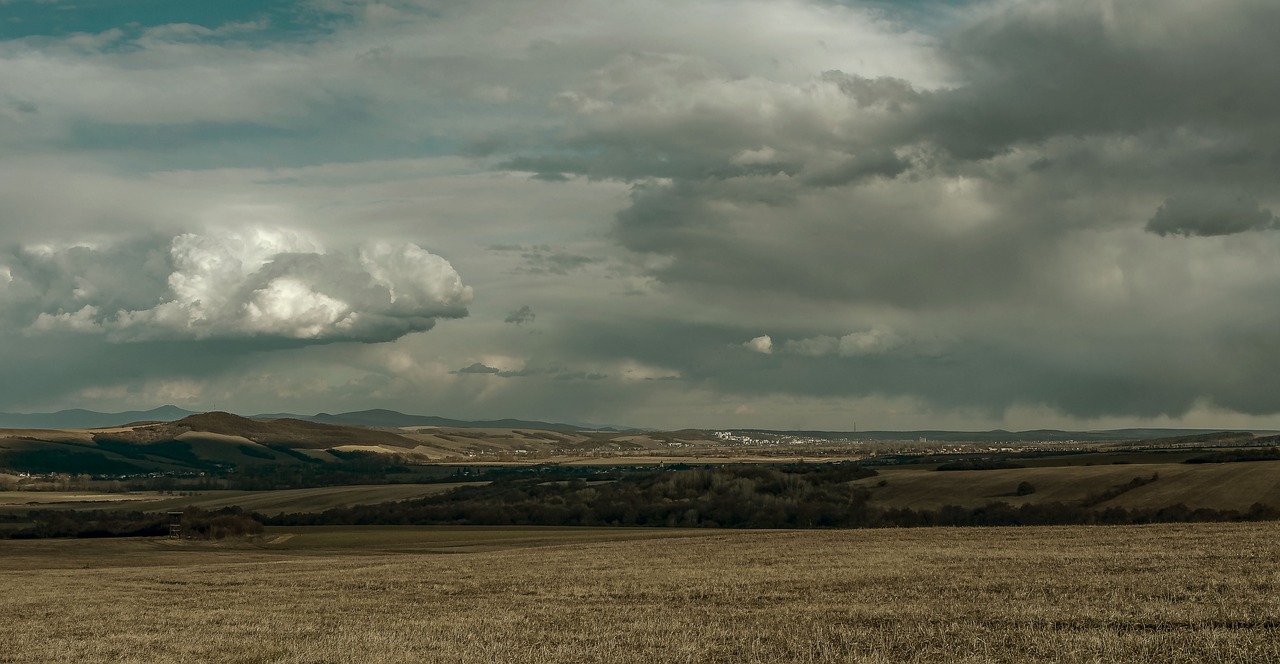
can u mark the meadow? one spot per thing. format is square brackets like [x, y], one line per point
[1156, 593]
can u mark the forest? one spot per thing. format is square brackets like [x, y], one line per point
[744, 496]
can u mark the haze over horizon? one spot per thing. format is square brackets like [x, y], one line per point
[786, 214]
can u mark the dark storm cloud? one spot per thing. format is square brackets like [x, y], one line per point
[840, 247]
[1033, 70]
[974, 371]
[130, 275]
[1208, 215]
[544, 259]
[520, 373]
[54, 371]
[579, 375]
[555, 262]
[556, 373]
[1006, 208]
[859, 167]
[891, 93]
[521, 316]
[477, 368]
[1029, 72]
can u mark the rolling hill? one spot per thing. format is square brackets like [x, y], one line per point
[217, 441]
[198, 442]
[377, 418]
[390, 418]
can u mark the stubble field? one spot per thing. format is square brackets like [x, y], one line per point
[1168, 593]
[1224, 486]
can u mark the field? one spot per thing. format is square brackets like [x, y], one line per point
[1170, 593]
[264, 502]
[1227, 486]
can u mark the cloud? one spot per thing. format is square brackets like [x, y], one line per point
[871, 342]
[554, 262]
[760, 344]
[542, 259]
[995, 209]
[1211, 214]
[520, 316]
[944, 211]
[874, 341]
[249, 283]
[579, 375]
[477, 368]
[520, 373]
[82, 320]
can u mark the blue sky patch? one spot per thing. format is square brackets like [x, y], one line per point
[41, 18]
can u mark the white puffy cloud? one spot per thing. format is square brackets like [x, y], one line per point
[417, 281]
[81, 320]
[265, 282]
[289, 307]
[209, 270]
[760, 344]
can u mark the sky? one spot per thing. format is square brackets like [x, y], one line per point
[802, 214]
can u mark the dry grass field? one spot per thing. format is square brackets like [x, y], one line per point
[300, 500]
[1220, 486]
[1169, 593]
[280, 501]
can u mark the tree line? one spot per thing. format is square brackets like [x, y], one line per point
[1233, 456]
[194, 523]
[814, 496]
[743, 496]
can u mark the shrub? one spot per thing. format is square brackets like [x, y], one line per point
[224, 523]
[979, 464]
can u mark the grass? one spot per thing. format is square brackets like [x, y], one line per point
[1170, 593]
[1219, 486]
[300, 500]
[266, 502]
[42, 499]
[449, 539]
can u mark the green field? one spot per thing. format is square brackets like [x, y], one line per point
[1145, 594]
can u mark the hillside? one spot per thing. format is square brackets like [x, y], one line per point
[201, 442]
[390, 418]
[376, 418]
[219, 440]
[297, 434]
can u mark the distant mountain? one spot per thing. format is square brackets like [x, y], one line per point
[384, 418]
[380, 417]
[87, 419]
[377, 418]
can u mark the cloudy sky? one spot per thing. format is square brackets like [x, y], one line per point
[781, 213]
